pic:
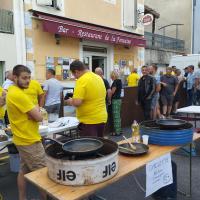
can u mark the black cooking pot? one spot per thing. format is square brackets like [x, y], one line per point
[171, 123]
[81, 146]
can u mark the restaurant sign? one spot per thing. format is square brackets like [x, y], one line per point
[147, 19]
[101, 35]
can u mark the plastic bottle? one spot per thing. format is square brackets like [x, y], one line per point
[135, 132]
[44, 116]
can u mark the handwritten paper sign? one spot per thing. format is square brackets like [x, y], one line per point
[158, 174]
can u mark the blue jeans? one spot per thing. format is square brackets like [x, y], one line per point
[190, 96]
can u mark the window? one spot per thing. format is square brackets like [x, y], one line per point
[57, 4]
[6, 21]
[129, 11]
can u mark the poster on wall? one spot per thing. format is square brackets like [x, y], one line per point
[61, 65]
[66, 63]
[50, 66]
[28, 20]
[60, 60]
[49, 60]
[31, 66]
[29, 45]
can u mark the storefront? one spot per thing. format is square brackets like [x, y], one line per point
[57, 41]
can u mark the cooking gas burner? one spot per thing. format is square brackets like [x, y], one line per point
[163, 136]
[82, 170]
[55, 151]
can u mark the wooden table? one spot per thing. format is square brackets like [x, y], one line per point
[127, 165]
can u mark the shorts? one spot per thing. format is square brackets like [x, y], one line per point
[32, 157]
[167, 100]
[155, 100]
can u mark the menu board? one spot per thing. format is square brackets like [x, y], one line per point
[61, 65]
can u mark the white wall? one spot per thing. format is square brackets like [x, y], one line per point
[8, 50]
[12, 46]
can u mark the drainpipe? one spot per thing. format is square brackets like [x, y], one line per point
[192, 24]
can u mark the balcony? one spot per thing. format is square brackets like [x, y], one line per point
[6, 21]
[155, 41]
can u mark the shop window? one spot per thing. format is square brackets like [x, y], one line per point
[56, 4]
[129, 13]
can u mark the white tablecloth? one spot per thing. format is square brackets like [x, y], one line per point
[67, 124]
[189, 110]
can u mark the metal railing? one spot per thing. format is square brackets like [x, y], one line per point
[156, 41]
[6, 21]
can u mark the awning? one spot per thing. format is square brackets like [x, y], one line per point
[71, 28]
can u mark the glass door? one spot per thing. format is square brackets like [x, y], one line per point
[87, 60]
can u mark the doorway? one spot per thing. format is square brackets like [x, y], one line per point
[94, 57]
[99, 61]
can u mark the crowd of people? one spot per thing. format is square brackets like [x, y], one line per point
[21, 99]
[159, 93]
[93, 97]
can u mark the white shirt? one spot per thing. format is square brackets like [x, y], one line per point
[7, 83]
[53, 88]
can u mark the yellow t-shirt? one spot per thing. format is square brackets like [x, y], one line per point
[90, 88]
[25, 131]
[34, 90]
[133, 79]
[2, 108]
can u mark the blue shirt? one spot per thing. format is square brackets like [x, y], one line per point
[190, 81]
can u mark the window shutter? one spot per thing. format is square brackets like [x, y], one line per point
[44, 2]
[130, 13]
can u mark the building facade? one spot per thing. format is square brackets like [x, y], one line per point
[173, 31]
[12, 45]
[101, 33]
[196, 27]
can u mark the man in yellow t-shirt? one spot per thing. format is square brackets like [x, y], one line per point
[2, 103]
[89, 98]
[24, 117]
[35, 93]
[133, 78]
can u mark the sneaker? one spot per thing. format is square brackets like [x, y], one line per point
[162, 117]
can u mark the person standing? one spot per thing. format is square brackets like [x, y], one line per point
[24, 117]
[99, 71]
[2, 104]
[177, 96]
[146, 90]
[116, 88]
[169, 85]
[52, 93]
[89, 100]
[35, 93]
[9, 80]
[7, 83]
[133, 78]
[197, 86]
[190, 85]
[155, 107]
